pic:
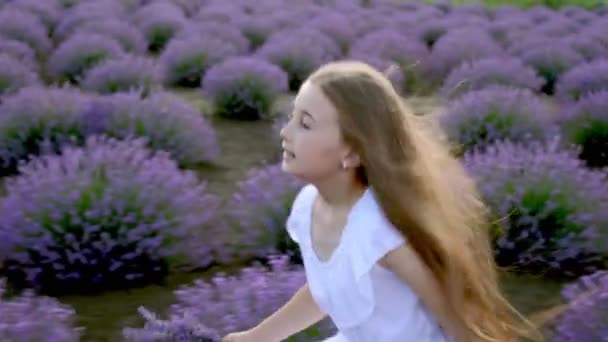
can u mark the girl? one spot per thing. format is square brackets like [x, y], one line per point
[392, 235]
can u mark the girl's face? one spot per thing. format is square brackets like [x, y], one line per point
[312, 145]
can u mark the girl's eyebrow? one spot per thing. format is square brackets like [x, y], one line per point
[307, 113]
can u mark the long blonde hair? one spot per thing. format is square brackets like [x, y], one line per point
[424, 192]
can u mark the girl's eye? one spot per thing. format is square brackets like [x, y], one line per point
[304, 125]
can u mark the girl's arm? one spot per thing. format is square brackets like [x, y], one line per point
[406, 264]
[300, 312]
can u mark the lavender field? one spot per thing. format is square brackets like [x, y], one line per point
[139, 154]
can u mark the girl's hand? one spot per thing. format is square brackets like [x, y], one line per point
[242, 336]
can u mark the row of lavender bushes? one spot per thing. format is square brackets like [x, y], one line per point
[559, 202]
[113, 45]
[550, 204]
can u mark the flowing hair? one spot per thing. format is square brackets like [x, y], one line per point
[426, 193]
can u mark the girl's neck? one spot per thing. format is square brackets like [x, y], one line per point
[341, 191]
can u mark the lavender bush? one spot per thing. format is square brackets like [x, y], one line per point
[257, 213]
[409, 54]
[597, 30]
[244, 87]
[337, 26]
[299, 52]
[431, 31]
[584, 318]
[490, 71]
[14, 75]
[458, 46]
[186, 60]
[131, 39]
[38, 120]
[28, 317]
[483, 117]
[557, 26]
[25, 27]
[583, 79]
[125, 73]
[585, 124]
[256, 29]
[84, 13]
[580, 15]
[108, 215]
[551, 211]
[20, 51]
[551, 59]
[218, 12]
[80, 53]
[159, 21]
[586, 46]
[183, 328]
[232, 303]
[166, 121]
[48, 12]
[212, 30]
[507, 30]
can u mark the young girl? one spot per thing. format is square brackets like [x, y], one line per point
[390, 228]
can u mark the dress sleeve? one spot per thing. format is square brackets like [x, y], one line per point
[298, 209]
[372, 238]
[382, 238]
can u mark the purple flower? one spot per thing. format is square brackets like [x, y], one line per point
[80, 53]
[458, 46]
[85, 13]
[299, 52]
[557, 26]
[28, 317]
[482, 73]
[35, 117]
[226, 32]
[14, 75]
[597, 30]
[125, 73]
[483, 117]
[550, 210]
[179, 328]
[583, 79]
[229, 303]
[509, 29]
[551, 59]
[579, 14]
[408, 53]
[189, 7]
[20, 51]
[127, 35]
[584, 316]
[586, 45]
[223, 13]
[159, 21]
[258, 210]
[244, 87]
[106, 215]
[167, 122]
[24, 26]
[335, 25]
[186, 60]
[585, 124]
[48, 12]
[256, 28]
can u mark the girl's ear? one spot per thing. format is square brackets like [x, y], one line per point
[351, 160]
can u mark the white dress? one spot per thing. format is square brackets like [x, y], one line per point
[365, 301]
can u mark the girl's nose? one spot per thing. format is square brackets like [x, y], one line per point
[283, 131]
